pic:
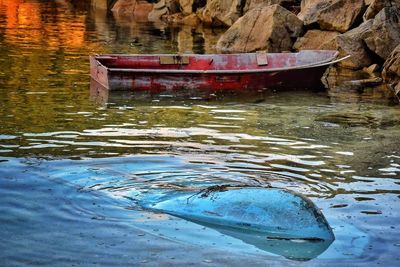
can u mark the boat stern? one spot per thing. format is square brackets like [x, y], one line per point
[98, 71]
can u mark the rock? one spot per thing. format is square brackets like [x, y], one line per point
[373, 40]
[353, 44]
[369, 82]
[186, 6]
[100, 4]
[199, 13]
[391, 71]
[158, 13]
[222, 12]
[124, 7]
[138, 9]
[192, 20]
[371, 69]
[142, 10]
[384, 35]
[333, 15]
[172, 5]
[317, 39]
[376, 6]
[288, 4]
[250, 4]
[270, 28]
[335, 76]
[174, 18]
[163, 8]
[345, 85]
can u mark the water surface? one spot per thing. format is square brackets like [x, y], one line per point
[74, 162]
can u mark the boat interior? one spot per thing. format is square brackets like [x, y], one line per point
[235, 62]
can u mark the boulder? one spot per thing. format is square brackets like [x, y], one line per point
[138, 9]
[100, 4]
[317, 39]
[391, 71]
[159, 11]
[186, 6]
[372, 70]
[222, 12]
[374, 39]
[376, 6]
[271, 28]
[352, 42]
[163, 8]
[250, 4]
[173, 6]
[333, 15]
[192, 20]
[124, 7]
[345, 85]
[384, 35]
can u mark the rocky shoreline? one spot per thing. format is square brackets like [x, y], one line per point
[368, 30]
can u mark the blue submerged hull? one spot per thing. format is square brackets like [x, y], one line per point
[274, 220]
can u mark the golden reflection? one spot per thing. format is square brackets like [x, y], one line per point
[26, 25]
[11, 12]
[29, 15]
[73, 33]
[23, 21]
[44, 47]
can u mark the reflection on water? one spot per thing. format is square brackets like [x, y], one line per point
[73, 162]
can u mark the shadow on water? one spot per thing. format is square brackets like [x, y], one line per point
[294, 249]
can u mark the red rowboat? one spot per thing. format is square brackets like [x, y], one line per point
[212, 72]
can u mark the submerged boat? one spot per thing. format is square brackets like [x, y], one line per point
[274, 220]
[212, 72]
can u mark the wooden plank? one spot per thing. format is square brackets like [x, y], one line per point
[262, 59]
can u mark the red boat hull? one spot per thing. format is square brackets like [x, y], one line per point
[305, 78]
[204, 72]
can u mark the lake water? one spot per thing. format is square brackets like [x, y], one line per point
[73, 162]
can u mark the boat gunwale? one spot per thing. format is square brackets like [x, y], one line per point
[321, 63]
